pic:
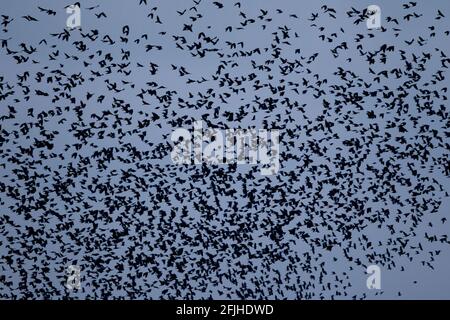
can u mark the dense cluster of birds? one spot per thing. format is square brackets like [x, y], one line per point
[85, 171]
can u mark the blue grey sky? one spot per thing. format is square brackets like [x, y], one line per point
[100, 258]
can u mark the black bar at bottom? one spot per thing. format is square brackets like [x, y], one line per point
[218, 309]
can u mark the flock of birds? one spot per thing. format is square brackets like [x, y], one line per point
[85, 172]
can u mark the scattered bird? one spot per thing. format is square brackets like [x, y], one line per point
[86, 175]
